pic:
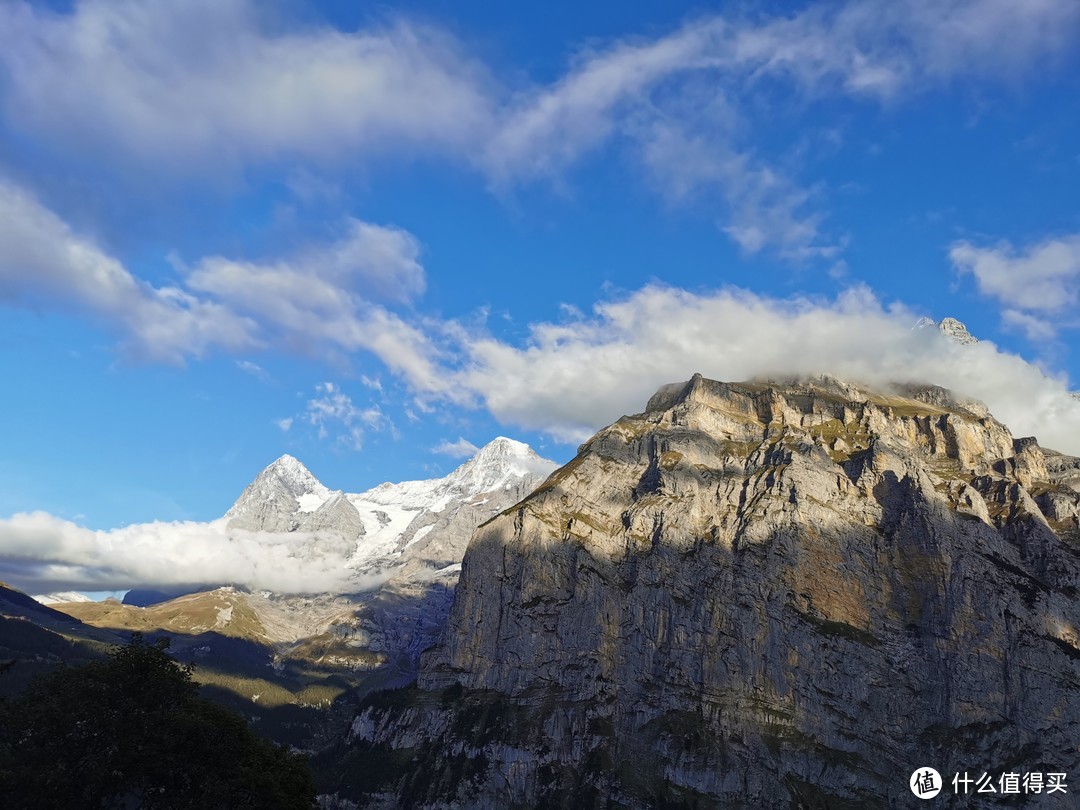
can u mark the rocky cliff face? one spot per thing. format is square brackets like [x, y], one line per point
[754, 595]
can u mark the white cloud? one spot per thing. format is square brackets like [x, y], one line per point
[879, 48]
[674, 100]
[574, 377]
[202, 78]
[334, 412]
[688, 100]
[44, 263]
[323, 297]
[368, 262]
[42, 553]
[285, 425]
[1039, 286]
[947, 38]
[552, 127]
[201, 81]
[764, 207]
[462, 448]
[254, 369]
[1035, 328]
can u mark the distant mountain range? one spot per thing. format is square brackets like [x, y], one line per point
[415, 528]
[405, 542]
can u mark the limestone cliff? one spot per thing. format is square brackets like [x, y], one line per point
[753, 595]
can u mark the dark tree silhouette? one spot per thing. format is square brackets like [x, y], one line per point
[133, 732]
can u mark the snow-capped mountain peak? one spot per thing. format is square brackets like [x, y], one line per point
[501, 448]
[369, 575]
[286, 497]
[297, 478]
[282, 489]
[64, 597]
[496, 465]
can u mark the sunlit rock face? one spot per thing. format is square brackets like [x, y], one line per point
[956, 331]
[757, 595]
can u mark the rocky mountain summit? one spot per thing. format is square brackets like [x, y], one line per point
[956, 331]
[281, 499]
[951, 328]
[755, 595]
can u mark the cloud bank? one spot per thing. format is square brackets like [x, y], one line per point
[40, 553]
[576, 376]
[1038, 287]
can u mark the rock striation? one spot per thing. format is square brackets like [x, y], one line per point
[753, 595]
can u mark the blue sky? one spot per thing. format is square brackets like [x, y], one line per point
[360, 235]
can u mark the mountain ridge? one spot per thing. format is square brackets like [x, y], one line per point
[287, 497]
